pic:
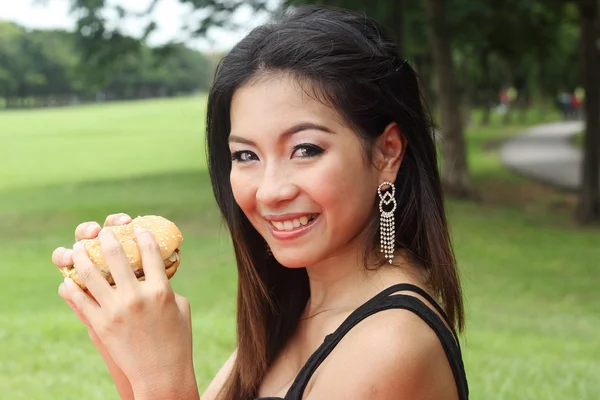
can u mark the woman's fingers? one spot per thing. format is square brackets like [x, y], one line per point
[154, 265]
[87, 230]
[62, 257]
[84, 306]
[66, 296]
[117, 219]
[89, 275]
[116, 259]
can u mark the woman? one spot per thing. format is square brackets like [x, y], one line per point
[323, 163]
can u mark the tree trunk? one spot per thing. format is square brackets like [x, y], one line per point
[588, 210]
[395, 22]
[488, 91]
[455, 172]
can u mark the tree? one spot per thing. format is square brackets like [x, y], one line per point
[512, 43]
[102, 42]
[392, 14]
[455, 171]
[44, 68]
[588, 209]
[92, 28]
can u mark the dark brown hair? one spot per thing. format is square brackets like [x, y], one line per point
[355, 68]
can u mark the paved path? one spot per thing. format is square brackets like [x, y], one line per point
[546, 153]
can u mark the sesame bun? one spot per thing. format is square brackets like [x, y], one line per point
[165, 232]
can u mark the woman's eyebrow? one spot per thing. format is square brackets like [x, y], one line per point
[304, 126]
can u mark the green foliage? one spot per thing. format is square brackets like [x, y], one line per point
[514, 43]
[528, 44]
[102, 44]
[45, 67]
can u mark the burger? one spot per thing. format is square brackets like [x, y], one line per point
[165, 232]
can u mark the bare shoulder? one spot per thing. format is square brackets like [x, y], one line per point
[392, 354]
[215, 386]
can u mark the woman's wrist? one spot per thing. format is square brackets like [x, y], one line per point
[168, 386]
[120, 380]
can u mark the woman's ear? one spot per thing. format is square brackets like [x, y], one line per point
[389, 150]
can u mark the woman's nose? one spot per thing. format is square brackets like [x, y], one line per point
[275, 189]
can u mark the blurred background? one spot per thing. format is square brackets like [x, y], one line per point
[102, 106]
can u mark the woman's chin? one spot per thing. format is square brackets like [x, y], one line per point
[292, 264]
[290, 260]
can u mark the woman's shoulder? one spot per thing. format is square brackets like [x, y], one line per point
[393, 335]
[391, 354]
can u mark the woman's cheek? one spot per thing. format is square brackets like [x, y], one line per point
[241, 190]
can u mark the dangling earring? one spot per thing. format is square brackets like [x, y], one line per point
[387, 225]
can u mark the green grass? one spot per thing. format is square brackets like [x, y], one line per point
[530, 276]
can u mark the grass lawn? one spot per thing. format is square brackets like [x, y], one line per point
[530, 275]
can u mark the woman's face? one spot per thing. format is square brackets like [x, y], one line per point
[298, 173]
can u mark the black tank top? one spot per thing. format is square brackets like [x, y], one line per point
[383, 301]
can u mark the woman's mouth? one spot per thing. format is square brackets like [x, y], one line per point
[294, 223]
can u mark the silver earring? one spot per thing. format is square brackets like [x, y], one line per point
[387, 225]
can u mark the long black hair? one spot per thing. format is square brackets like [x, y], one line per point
[350, 63]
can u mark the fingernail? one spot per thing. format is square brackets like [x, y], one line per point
[77, 246]
[67, 256]
[139, 231]
[90, 229]
[68, 282]
[123, 219]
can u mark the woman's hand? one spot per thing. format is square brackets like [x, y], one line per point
[62, 258]
[144, 326]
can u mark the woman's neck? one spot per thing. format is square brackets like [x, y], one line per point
[343, 281]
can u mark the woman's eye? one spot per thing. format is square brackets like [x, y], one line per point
[243, 156]
[307, 150]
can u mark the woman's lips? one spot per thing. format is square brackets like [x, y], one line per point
[296, 229]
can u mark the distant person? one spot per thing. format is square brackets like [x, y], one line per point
[565, 104]
[323, 163]
[578, 102]
[575, 106]
[504, 102]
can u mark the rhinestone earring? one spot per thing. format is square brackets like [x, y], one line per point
[387, 226]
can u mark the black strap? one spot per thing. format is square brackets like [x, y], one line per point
[384, 301]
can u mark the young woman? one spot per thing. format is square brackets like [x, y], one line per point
[323, 163]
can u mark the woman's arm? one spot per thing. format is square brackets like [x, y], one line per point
[215, 386]
[120, 380]
[185, 387]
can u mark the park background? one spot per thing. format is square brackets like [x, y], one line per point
[100, 118]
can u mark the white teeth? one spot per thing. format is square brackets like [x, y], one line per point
[293, 223]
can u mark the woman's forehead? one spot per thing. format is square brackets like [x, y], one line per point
[277, 104]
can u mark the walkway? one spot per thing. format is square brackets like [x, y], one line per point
[546, 153]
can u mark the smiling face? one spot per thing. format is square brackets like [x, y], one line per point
[298, 173]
